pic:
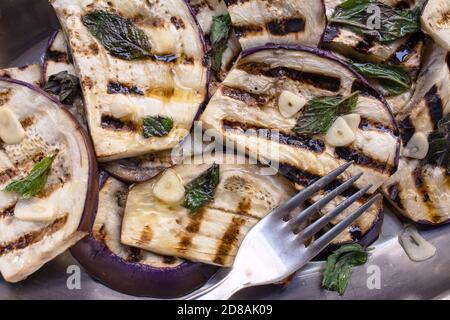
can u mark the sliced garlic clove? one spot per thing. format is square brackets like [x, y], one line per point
[340, 134]
[353, 120]
[169, 188]
[416, 247]
[34, 210]
[417, 147]
[11, 130]
[289, 103]
[120, 107]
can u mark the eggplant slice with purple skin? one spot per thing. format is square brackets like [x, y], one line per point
[156, 77]
[213, 14]
[405, 53]
[211, 234]
[245, 110]
[130, 270]
[260, 22]
[60, 78]
[420, 189]
[38, 225]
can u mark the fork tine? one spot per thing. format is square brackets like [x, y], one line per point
[324, 240]
[306, 193]
[323, 221]
[295, 221]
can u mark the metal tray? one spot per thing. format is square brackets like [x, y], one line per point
[25, 26]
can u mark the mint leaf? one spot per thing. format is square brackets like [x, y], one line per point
[118, 35]
[218, 37]
[201, 190]
[158, 126]
[339, 266]
[35, 181]
[321, 112]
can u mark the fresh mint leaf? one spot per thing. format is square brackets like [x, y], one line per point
[394, 23]
[118, 35]
[394, 80]
[439, 145]
[201, 190]
[35, 181]
[218, 37]
[339, 266]
[157, 126]
[65, 86]
[321, 112]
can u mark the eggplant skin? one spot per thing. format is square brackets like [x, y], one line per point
[90, 201]
[139, 279]
[108, 261]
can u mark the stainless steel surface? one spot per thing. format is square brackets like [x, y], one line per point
[400, 278]
[273, 250]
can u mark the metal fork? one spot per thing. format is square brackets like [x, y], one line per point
[272, 251]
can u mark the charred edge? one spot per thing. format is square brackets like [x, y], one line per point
[417, 177]
[367, 125]
[197, 8]
[8, 212]
[229, 240]
[57, 56]
[120, 88]
[405, 4]
[134, 255]
[33, 237]
[355, 232]
[393, 192]
[304, 178]
[192, 229]
[404, 52]
[265, 133]
[331, 32]
[178, 23]
[363, 46]
[314, 79]
[109, 122]
[407, 130]
[243, 31]
[250, 99]
[361, 159]
[286, 26]
[169, 260]
[434, 104]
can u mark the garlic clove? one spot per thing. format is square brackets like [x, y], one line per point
[11, 130]
[416, 247]
[353, 120]
[289, 103]
[169, 188]
[417, 147]
[340, 134]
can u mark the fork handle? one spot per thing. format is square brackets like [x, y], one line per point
[224, 289]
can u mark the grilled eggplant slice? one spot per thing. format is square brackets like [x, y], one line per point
[211, 235]
[259, 22]
[60, 78]
[206, 12]
[405, 52]
[420, 189]
[157, 74]
[436, 21]
[146, 274]
[49, 130]
[31, 74]
[244, 110]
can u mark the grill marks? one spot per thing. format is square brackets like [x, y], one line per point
[361, 159]
[278, 27]
[266, 133]
[407, 129]
[405, 51]
[8, 212]
[109, 122]
[317, 80]
[229, 240]
[191, 230]
[250, 99]
[120, 88]
[424, 193]
[434, 104]
[33, 237]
